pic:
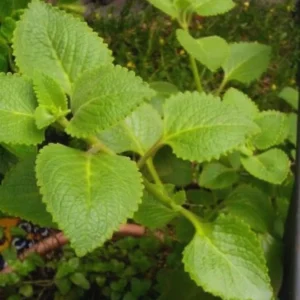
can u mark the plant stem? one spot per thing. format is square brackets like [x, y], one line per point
[221, 87]
[196, 73]
[95, 143]
[149, 153]
[153, 172]
[177, 208]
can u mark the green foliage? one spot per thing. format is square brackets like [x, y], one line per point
[271, 166]
[93, 192]
[137, 133]
[246, 62]
[245, 199]
[231, 246]
[217, 176]
[241, 102]
[95, 103]
[274, 128]
[207, 129]
[17, 106]
[124, 151]
[210, 51]
[290, 96]
[55, 38]
[19, 194]
[152, 213]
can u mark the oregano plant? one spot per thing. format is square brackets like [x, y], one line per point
[132, 151]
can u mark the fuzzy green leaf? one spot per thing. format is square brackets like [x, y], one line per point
[19, 194]
[200, 127]
[166, 6]
[271, 166]
[290, 96]
[152, 213]
[89, 196]
[172, 169]
[163, 91]
[43, 117]
[274, 127]
[241, 102]
[246, 62]
[49, 93]
[104, 97]
[273, 250]
[217, 176]
[228, 261]
[17, 106]
[292, 135]
[212, 7]
[251, 205]
[8, 6]
[211, 51]
[64, 47]
[137, 133]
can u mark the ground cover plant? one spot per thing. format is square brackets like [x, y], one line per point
[88, 146]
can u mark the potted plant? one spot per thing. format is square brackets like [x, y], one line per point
[123, 141]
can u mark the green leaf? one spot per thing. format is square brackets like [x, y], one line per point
[8, 6]
[228, 261]
[200, 197]
[273, 253]
[19, 194]
[200, 127]
[152, 213]
[3, 63]
[67, 267]
[172, 169]
[251, 205]
[213, 7]
[163, 91]
[7, 28]
[64, 47]
[241, 102]
[64, 285]
[7, 160]
[271, 166]
[137, 133]
[17, 106]
[290, 96]
[246, 62]
[234, 160]
[178, 285]
[104, 97]
[80, 280]
[43, 117]
[274, 129]
[217, 176]
[210, 51]
[26, 290]
[49, 93]
[20, 151]
[89, 196]
[164, 88]
[166, 6]
[292, 135]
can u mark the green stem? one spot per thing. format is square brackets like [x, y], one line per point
[221, 87]
[95, 144]
[149, 153]
[153, 172]
[196, 74]
[171, 204]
